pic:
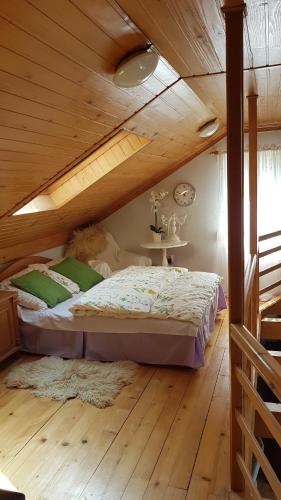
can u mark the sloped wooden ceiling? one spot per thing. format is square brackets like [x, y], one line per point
[58, 102]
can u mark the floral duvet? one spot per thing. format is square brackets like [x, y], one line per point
[151, 292]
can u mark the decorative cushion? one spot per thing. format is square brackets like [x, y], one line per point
[58, 278]
[101, 268]
[42, 287]
[78, 272]
[24, 299]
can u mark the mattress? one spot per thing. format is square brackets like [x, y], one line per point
[60, 318]
[164, 342]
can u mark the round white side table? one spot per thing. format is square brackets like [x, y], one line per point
[163, 245]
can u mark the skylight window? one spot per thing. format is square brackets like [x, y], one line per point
[99, 163]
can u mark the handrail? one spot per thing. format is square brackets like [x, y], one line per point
[267, 366]
[269, 251]
[269, 270]
[243, 426]
[270, 235]
[265, 414]
[270, 287]
[249, 281]
[256, 449]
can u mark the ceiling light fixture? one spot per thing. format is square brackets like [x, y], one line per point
[209, 128]
[136, 68]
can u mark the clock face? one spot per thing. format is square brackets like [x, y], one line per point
[184, 194]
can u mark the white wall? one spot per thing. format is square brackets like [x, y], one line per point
[53, 253]
[130, 224]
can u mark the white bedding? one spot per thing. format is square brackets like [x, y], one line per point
[158, 292]
[60, 318]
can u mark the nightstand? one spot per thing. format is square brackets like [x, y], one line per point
[163, 245]
[9, 326]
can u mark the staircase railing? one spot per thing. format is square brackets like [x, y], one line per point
[270, 269]
[269, 369]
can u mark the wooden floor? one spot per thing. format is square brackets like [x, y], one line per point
[166, 437]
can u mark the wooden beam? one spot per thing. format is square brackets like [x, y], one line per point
[253, 185]
[253, 209]
[234, 12]
[31, 247]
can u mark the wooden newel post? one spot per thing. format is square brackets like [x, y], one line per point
[234, 12]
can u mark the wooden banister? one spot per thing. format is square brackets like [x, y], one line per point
[270, 287]
[265, 414]
[261, 458]
[249, 282]
[269, 251]
[270, 269]
[270, 235]
[266, 365]
[255, 495]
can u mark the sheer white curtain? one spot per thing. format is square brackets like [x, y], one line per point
[269, 210]
[221, 247]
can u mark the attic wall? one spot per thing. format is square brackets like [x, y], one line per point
[130, 224]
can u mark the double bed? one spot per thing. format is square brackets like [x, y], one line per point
[153, 340]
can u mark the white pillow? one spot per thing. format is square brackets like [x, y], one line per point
[101, 267]
[58, 278]
[24, 299]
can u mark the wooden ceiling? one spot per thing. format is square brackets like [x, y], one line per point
[58, 102]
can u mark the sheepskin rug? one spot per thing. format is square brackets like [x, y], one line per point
[87, 243]
[55, 378]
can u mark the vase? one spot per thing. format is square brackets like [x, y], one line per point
[156, 237]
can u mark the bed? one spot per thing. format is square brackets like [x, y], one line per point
[58, 332]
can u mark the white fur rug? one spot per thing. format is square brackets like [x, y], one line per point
[56, 378]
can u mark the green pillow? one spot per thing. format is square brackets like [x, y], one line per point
[42, 287]
[77, 271]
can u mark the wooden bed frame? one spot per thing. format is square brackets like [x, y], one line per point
[21, 264]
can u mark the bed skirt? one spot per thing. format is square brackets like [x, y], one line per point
[176, 350]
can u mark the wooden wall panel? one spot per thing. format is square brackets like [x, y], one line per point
[58, 101]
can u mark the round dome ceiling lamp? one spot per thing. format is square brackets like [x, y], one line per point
[136, 68]
[209, 128]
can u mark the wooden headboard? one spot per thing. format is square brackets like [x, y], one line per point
[21, 264]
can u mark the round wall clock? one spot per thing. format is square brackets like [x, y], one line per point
[184, 194]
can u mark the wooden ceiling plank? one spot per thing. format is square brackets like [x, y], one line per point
[11, 102]
[20, 135]
[111, 21]
[31, 147]
[72, 19]
[203, 26]
[26, 69]
[274, 32]
[25, 122]
[99, 74]
[24, 14]
[147, 24]
[41, 95]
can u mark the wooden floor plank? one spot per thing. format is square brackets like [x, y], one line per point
[178, 455]
[21, 416]
[153, 443]
[140, 434]
[210, 476]
[61, 458]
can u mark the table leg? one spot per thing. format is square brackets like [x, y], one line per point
[164, 258]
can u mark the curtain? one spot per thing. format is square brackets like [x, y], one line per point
[221, 247]
[269, 210]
